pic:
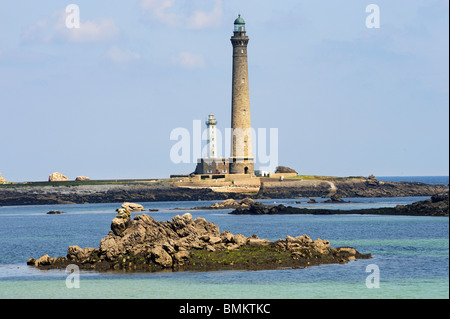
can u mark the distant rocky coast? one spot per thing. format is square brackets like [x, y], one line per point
[90, 192]
[437, 205]
[184, 243]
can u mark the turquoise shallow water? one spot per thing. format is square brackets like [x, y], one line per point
[412, 254]
[190, 288]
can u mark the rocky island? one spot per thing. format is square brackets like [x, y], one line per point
[437, 205]
[184, 243]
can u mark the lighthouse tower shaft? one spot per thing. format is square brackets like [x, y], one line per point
[241, 161]
[212, 137]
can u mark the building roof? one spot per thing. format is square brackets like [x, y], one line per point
[239, 20]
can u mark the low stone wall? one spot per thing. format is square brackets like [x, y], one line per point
[284, 175]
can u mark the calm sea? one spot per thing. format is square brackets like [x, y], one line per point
[411, 253]
[433, 180]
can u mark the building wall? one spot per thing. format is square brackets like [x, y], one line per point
[213, 166]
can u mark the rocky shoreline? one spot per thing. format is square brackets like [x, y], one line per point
[57, 194]
[87, 192]
[344, 188]
[437, 205]
[184, 243]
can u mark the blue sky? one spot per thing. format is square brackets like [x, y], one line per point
[102, 100]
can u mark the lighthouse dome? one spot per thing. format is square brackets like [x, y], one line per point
[239, 20]
[239, 24]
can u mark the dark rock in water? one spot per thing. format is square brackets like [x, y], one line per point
[438, 205]
[441, 197]
[55, 212]
[227, 204]
[183, 243]
[153, 210]
[312, 201]
[335, 200]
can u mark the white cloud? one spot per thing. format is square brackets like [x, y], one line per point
[176, 13]
[100, 30]
[201, 19]
[189, 60]
[118, 55]
[55, 29]
[160, 9]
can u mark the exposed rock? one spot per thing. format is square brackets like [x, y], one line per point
[161, 257]
[335, 200]
[440, 197]
[438, 205]
[121, 222]
[246, 202]
[239, 239]
[2, 180]
[184, 243]
[321, 246]
[55, 212]
[228, 204]
[350, 250]
[132, 207]
[75, 253]
[82, 179]
[31, 262]
[43, 261]
[284, 169]
[57, 177]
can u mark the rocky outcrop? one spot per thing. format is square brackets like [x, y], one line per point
[55, 212]
[228, 204]
[284, 169]
[2, 180]
[57, 177]
[82, 179]
[133, 207]
[335, 200]
[184, 243]
[438, 205]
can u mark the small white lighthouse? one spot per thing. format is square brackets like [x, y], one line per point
[212, 137]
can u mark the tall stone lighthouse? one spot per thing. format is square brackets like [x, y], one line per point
[241, 160]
